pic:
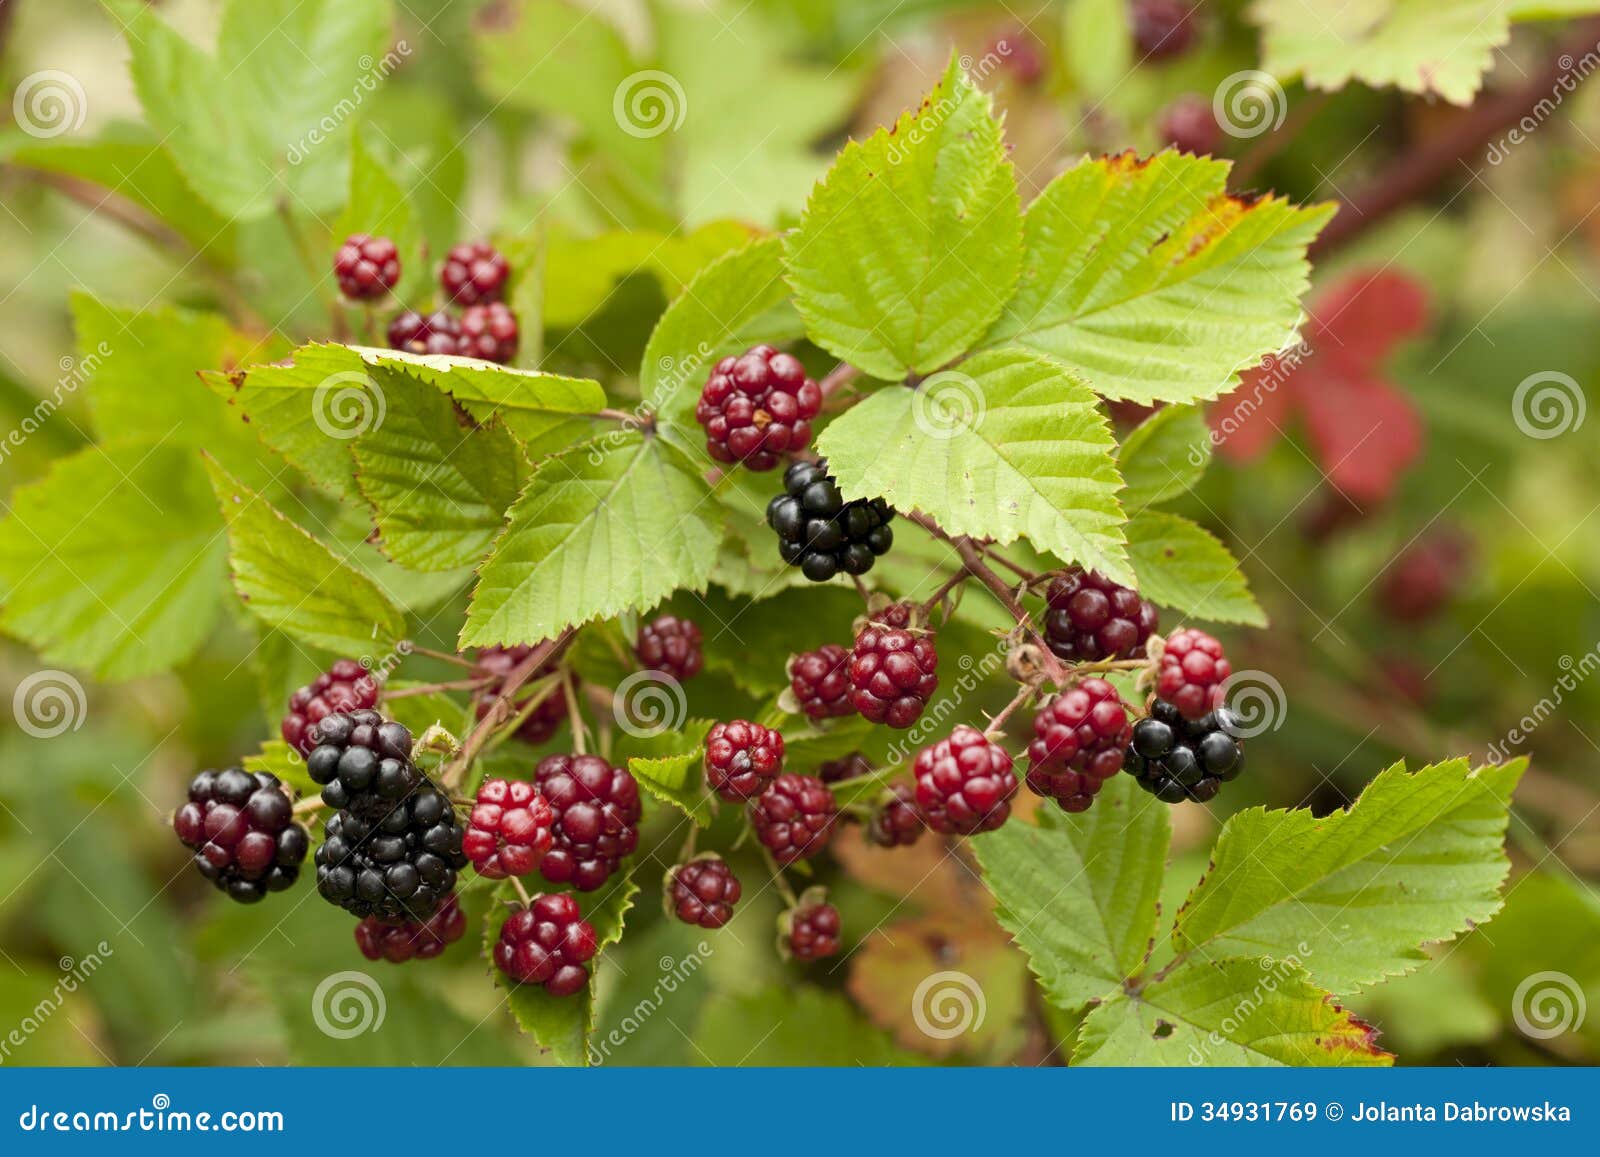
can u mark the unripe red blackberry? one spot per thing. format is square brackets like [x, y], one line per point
[1092, 618]
[596, 808]
[898, 821]
[757, 407]
[498, 662]
[742, 758]
[1189, 125]
[703, 891]
[366, 267]
[1192, 672]
[670, 645]
[1079, 737]
[1425, 576]
[548, 942]
[488, 332]
[508, 833]
[793, 818]
[473, 272]
[1162, 29]
[965, 783]
[412, 940]
[893, 674]
[811, 931]
[820, 681]
[345, 686]
[435, 333]
[242, 830]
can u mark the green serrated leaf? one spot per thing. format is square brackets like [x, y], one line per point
[439, 488]
[599, 530]
[676, 780]
[1078, 893]
[910, 245]
[1152, 282]
[1008, 445]
[112, 562]
[1417, 858]
[290, 581]
[1232, 1011]
[1164, 456]
[1183, 566]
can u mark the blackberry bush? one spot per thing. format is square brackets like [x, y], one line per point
[821, 533]
[242, 830]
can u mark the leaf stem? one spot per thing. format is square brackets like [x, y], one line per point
[839, 377]
[522, 893]
[778, 878]
[580, 729]
[500, 709]
[433, 688]
[945, 588]
[442, 656]
[1024, 693]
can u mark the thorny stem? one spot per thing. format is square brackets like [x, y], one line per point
[945, 588]
[431, 688]
[1024, 693]
[1021, 572]
[442, 656]
[501, 708]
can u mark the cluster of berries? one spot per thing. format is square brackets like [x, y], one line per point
[473, 277]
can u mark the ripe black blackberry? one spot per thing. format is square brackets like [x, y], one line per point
[1174, 758]
[241, 827]
[820, 681]
[435, 333]
[1162, 29]
[547, 943]
[345, 686]
[742, 758]
[411, 940]
[362, 761]
[821, 533]
[671, 645]
[498, 662]
[366, 267]
[794, 817]
[1079, 736]
[811, 931]
[757, 407]
[397, 866]
[703, 891]
[596, 809]
[1091, 618]
[474, 272]
[893, 674]
[965, 783]
[488, 332]
[898, 820]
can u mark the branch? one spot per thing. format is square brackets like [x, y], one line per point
[501, 708]
[1419, 170]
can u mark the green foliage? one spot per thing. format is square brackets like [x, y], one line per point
[1181, 565]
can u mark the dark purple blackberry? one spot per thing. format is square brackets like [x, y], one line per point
[703, 891]
[1162, 29]
[821, 533]
[893, 674]
[671, 645]
[1175, 759]
[811, 931]
[366, 267]
[362, 761]
[397, 866]
[898, 820]
[596, 808]
[1091, 618]
[794, 817]
[398, 943]
[436, 333]
[241, 827]
[1078, 740]
[489, 333]
[820, 680]
[742, 758]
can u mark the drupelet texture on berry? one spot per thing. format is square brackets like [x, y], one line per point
[898, 821]
[820, 681]
[757, 407]
[1079, 737]
[794, 817]
[346, 686]
[434, 333]
[703, 891]
[397, 866]
[366, 267]
[488, 332]
[362, 762]
[821, 533]
[893, 674]
[965, 783]
[811, 931]
[1174, 758]
[508, 832]
[596, 809]
[742, 758]
[671, 645]
[549, 943]
[545, 719]
[242, 830]
[473, 272]
[1192, 672]
[398, 943]
[1091, 618]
